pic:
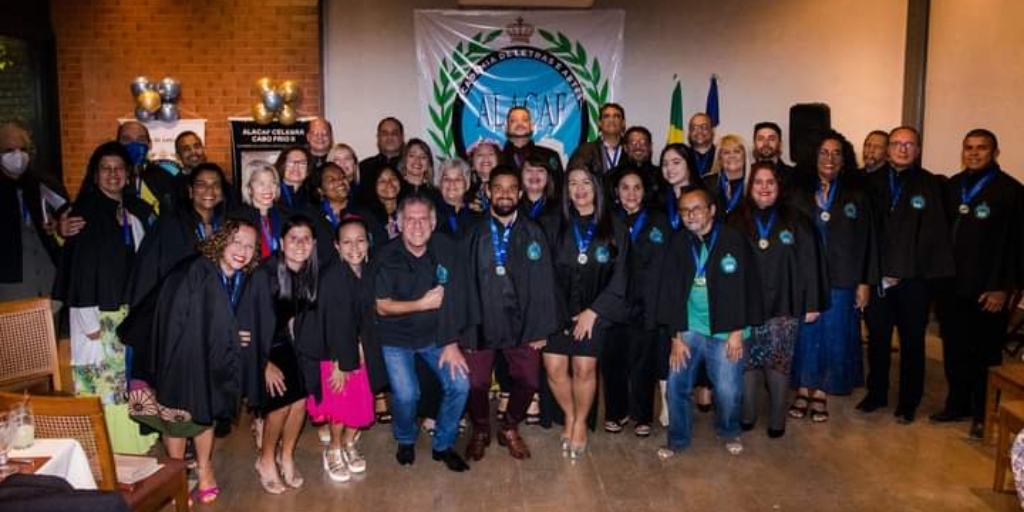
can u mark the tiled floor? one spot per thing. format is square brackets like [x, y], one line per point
[852, 463]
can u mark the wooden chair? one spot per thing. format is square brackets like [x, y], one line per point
[1005, 383]
[81, 418]
[28, 345]
[1011, 421]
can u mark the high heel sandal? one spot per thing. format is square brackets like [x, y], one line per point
[204, 496]
[799, 408]
[271, 484]
[819, 415]
[577, 452]
[290, 475]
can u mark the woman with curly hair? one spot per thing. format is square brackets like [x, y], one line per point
[195, 346]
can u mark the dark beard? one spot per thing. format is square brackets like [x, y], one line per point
[502, 211]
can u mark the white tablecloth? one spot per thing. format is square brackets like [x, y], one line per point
[67, 460]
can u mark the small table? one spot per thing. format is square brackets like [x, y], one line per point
[67, 460]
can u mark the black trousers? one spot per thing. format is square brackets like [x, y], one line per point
[629, 371]
[904, 307]
[972, 341]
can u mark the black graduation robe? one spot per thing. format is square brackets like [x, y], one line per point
[848, 238]
[703, 163]
[547, 215]
[277, 215]
[11, 264]
[365, 311]
[325, 226]
[295, 199]
[168, 184]
[328, 329]
[646, 251]
[734, 298]
[602, 284]
[455, 224]
[987, 240]
[913, 233]
[722, 211]
[193, 356]
[518, 307]
[792, 267]
[95, 265]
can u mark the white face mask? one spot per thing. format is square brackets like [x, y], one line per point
[14, 162]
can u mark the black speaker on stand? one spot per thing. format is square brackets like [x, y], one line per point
[808, 122]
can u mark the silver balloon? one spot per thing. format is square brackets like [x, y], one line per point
[169, 89]
[272, 100]
[144, 115]
[168, 112]
[139, 84]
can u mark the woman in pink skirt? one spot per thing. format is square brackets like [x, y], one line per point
[355, 369]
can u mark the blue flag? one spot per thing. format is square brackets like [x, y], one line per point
[711, 109]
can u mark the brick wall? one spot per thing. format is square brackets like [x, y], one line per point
[217, 48]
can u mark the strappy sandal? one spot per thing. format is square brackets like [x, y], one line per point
[533, 412]
[271, 484]
[204, 496]
[290, 475]
[819, 415]
[383, 415]
[799, 408]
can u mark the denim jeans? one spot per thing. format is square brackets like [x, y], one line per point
[727, 378]
[405, 393]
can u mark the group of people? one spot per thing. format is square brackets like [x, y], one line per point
[709, 279]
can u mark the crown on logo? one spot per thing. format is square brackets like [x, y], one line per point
[520, 31]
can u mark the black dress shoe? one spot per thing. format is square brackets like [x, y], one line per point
[406, 454]
[775, 434]
[746, 427]
[904, 416]
[949, 416]
[977, 430]
[451, 459]
[870, 404]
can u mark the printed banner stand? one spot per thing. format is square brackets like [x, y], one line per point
[476, 65]
[251, 141]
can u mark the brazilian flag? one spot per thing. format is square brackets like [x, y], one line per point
[675, 115]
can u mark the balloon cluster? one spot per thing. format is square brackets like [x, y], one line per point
[276, 101]
[156, 100]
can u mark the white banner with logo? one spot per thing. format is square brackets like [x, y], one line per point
[475, 65]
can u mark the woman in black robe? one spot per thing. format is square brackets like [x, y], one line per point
[829, 352]
[197, 374]
[279, 314]
[417, 167]
[91, 280]
[591, 266]
[334, 192]
[351, 364]
[174, 238]
[793, 289]
[379, 200]
[628, 363]
[295, 172]
[454, 215]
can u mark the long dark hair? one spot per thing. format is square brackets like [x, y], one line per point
[89, 186]
[304, 287]
[645, 181]
[747, 212]
[602, 218]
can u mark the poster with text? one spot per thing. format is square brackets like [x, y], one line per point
[251, 141]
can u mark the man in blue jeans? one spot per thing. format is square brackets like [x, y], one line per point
[709, 296]
[421, 309]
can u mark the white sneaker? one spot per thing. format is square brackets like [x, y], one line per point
[734, 446]
[334, 465]
[324, 432]
[353, 459]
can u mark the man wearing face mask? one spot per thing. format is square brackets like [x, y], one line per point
[27, 205]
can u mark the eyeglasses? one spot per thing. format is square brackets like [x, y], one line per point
[296, 163]
[905, 146]
[696, 210]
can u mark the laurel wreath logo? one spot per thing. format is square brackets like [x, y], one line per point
[465, 56]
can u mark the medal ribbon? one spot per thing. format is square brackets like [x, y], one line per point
[732, 198]
[965, 196]
[763, 230]
[700, 264]
[500, 243]
[583, 240]
[825, 202]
